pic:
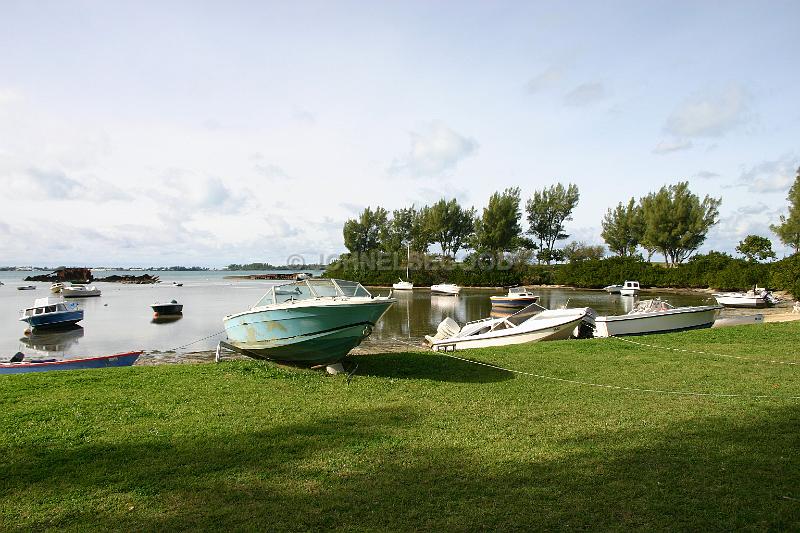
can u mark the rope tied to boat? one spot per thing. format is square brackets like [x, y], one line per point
[196, 341]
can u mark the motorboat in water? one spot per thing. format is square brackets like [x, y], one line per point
[613, 289]
[314, 321]
[169, 308]
[531, 324]
[79, 291]
[755, 298]
[656, 316]
[630, 288]
[18, 365]
[26, 288]
[516, 297]
[446, 288]
[56, 288]
[51, 312]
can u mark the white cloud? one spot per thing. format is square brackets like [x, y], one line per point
[435, 151]
[667, 147]
[710, 113]
[57, 185]
[270, 171]
[707, 175]
[546, 79]
[586, 94]
[771, 176]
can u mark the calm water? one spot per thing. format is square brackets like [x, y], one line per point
[121, 319]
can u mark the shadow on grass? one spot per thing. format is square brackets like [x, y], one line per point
[425, 365]
[358, 470]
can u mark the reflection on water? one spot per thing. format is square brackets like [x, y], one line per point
[165, 319]
[54, 340]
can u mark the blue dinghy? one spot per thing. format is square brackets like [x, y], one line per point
[17, 365]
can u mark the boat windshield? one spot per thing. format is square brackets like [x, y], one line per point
[525, 313]
[312, 288]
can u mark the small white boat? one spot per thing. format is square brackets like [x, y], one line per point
[531, 324]
[445, 288]
[656, 316]
[630, 288]
[613, 289]
[516, 297]
[403, 286]
[176, 284]
[756, 298]
[79, 291]
[55, 288]
[26, 288]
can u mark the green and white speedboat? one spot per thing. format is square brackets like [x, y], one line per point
[314, 321]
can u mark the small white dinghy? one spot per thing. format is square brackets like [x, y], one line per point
[531, 324]
[656, 316]
[79, 291]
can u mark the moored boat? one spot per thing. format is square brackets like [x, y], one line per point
[613, 289]
[79, 291]
[531, 324]
[630, 288]
[17, 364]
[516, 297]
[169, 308]
[656, 316]
[405, 285]
[312, 321]
[26, 287]
[51, 312]
[754, 299]
[446, 288]
[55, 288]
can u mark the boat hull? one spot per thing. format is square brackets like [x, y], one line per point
[106, 361]
[748, 302]
[656, 322]
[306, 334]
[453, 290]
[54, 320]
[507, 301]
[556, 332]
[167, 309]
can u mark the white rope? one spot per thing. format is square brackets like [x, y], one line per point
[684, 350]
[195, 342]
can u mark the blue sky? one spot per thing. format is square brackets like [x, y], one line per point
[210, 133]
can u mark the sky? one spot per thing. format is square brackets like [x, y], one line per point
[208, 133]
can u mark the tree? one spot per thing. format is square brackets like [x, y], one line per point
[789, 229]
[580, 251]
[547, 210]
[676, 222]
[498, 229]
[363, 234]
[449, 225]
[622, 228]
[400, 229]
[756, 248]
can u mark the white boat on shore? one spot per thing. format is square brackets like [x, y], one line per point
[531, 324]
[656, 316]
[630, 288]
[79, 291]
[446, 288]
[754, 299]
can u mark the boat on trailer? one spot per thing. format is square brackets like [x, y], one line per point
[313, 321]
[656, 316]
[18, 365]
[532, 324]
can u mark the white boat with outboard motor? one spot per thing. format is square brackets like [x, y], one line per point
[531, 324]
[79, 291]
[656, 316]
[446, 288]
[313, 321]
[755, 298]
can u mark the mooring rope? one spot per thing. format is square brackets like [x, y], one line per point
[608, 386]
[195, 342]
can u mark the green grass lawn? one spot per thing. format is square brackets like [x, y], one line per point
[416, 441]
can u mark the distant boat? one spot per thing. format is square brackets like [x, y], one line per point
[51, 312]
[170, 308]
[631, 288]
[656, 316]
[446, 288]
[405, 285]
[56, 288]
[177, 284]
[17, 364]
[755, 298]
[516, 297]
[26, 287]
[531, 324]
[79, 291]
[613, 289]
[313, 321]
